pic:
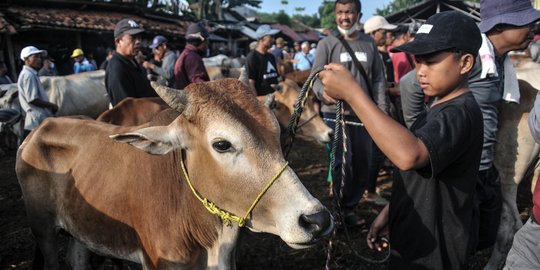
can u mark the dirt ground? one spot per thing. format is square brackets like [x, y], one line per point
[256, 251]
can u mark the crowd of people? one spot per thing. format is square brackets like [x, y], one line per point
[424, 96]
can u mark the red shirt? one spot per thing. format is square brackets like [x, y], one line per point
[401, 64]
[189, 68]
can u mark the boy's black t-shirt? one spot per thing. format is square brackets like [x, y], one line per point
[431, 209]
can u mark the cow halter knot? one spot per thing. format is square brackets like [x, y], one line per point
[225, 216]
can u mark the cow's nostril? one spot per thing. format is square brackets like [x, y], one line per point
[319, 224]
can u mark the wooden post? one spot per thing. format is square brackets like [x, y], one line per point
[79, 42]
[11, 59]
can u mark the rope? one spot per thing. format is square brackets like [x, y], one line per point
[350, 123]
[226, 216]
[298, 109]
[338, 128]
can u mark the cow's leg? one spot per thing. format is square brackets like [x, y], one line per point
[78, 255]
[47, 246]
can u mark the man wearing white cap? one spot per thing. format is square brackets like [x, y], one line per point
[376, 27]
[32, 97]
[261, 65]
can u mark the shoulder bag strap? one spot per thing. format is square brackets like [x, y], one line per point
[307, 58]
[409, 59]
[356, 63]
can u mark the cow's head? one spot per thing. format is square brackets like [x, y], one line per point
[232, 149]
[11, 126]
[311, 126]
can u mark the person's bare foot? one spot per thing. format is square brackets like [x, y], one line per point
[374, 198]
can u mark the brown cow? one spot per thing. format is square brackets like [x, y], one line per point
[92, 180]
[286, 69]
[132, 112]
[311, 125]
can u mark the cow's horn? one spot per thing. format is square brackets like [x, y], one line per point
[243, 75]
[175, 98]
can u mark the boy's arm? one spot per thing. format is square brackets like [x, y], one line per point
[402, 147]
[534, 119]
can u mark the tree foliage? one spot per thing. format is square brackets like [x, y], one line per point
[327, 14]
[309, 20]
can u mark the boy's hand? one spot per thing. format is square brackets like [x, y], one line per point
[337, 81]
[378, 228]
[326, 99]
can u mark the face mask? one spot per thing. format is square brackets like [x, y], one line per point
[52, 65]
[348, 32]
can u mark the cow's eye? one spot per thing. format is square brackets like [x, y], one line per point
[222, 146]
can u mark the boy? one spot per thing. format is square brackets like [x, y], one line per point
[430, 214]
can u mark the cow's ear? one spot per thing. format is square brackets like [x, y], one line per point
[154, 140]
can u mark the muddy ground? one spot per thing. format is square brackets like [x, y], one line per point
[256, 251]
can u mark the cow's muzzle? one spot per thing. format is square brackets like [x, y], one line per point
[319, 224]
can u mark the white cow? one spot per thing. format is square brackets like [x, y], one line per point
[514, 152]
[78, 94]
[222, 60]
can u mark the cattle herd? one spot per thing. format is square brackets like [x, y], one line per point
[116, 184]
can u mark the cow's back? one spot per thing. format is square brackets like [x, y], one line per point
[61, 188]
[82, 93]
[134, 111]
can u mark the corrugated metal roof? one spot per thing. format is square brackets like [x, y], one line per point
[90, 20]
[288, 32]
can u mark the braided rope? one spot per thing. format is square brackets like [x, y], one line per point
[298, 109]
[226, 216]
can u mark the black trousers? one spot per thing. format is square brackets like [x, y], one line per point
[489, 207]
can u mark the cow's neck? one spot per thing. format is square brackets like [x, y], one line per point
[203, 229]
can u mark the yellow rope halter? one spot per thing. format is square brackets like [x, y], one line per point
[225, 216]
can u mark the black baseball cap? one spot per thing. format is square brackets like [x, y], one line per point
[444, 31]
[127, 26]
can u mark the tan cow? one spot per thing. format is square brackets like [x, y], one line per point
[514, 152]
[92, 180]
[134, 111]
[311, 126]
[131, 112]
